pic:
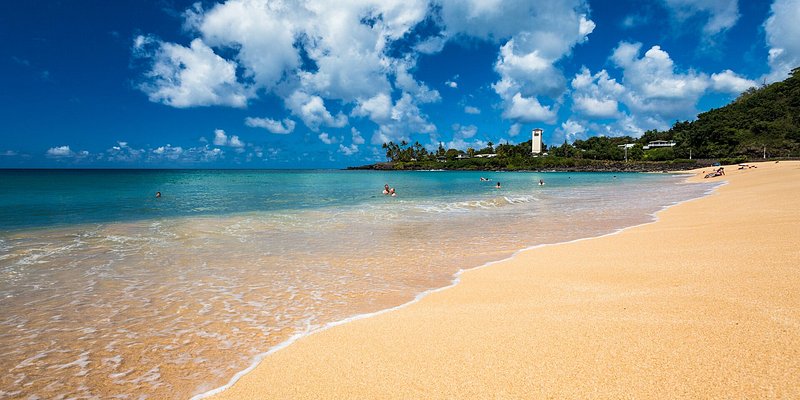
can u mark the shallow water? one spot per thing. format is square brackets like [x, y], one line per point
[107, 292]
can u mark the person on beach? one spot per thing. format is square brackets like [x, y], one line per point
[386, 189]
[158, 195]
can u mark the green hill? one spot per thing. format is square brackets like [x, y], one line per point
[764, 118]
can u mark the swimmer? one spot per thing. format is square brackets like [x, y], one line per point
[497, 186]
[158, 195]
[391, 192]
[386, 189]
[541, 182]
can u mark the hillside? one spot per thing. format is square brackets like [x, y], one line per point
[765, 118]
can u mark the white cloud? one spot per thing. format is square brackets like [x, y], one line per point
[570, 130]
[783, 30]
[729, 82]
[472, 110]
[377, 108]
[347, 59]
[168, 152]
[189, 76]
[460, 135]
[122, 152]
[262, 32]
[722, 14]
[514, 130]
[404, 119]
[348, 150]
[652, 84]
[596, 95]
[278, 127]
[60, 151]
[357, 138]
[541, 34]
[452, 84]
[327, 139]
[222, 139]
[203, 154]
[467, 131]
[8, 153]
[528, 109]
[311, 109]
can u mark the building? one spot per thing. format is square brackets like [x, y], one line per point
[536, 141]
[658, 143]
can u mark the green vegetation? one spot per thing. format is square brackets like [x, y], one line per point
[761, 121]
[758, 121]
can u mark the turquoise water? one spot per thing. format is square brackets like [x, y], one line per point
[42, 198]
[108, 291]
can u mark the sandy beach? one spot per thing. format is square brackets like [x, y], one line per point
[703, 303]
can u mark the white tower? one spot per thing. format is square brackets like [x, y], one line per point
[536, 141]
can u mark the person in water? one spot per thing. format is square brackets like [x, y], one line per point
[392, 193]
[386, 189]
[158, 195]
[541, 182]
[497, 186]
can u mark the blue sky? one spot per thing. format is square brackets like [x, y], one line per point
[322, 84]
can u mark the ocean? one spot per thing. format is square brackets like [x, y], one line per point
[109, 292]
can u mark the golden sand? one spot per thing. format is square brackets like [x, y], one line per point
[704, 303]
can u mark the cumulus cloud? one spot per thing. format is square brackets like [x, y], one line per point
[323, 58]
[327, 139]
[60, 151]
[542, 33]
[189, 76]
[782, 31]
[357, 138]
[596, 95]
[460, 135]
[348, 150]
[528, 109]
[311, 109]
[472, 110]
[123, 152]
[570, 130]
[404, 118]
[278, 127]
[514, 130]
[729, 82]
[168, 152]
[222, 139]
[721, 14]
[653, 85]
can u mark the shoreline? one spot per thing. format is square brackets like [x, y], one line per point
[654, 218]
[419, 297]
[414, 352]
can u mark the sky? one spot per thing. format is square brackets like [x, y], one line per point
[323, 84]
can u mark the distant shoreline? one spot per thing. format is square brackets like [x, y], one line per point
[577, 166]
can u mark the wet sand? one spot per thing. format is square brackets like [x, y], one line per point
[703, 303]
